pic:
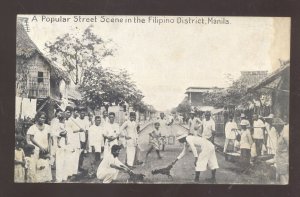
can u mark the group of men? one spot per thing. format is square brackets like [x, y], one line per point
[204, 128]
[79, 138]
[261, 134]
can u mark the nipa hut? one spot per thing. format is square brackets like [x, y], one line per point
[37, 78]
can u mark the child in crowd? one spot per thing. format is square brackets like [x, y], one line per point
[30, 166]
[154, 141]
[43, 171]
[19, 160]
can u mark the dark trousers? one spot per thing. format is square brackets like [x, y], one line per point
[81, 157]
[245, 158]
[258, 146]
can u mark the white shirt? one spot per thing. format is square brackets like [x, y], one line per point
[229, 130]
[246, 139]
[41, 137]
[194, 141]
[192, 123]
[258, 132]
[111, 130]
[84, 124]
[130, 128]
[73, 138]
[105, 167]
[208, 128]
[95, 137]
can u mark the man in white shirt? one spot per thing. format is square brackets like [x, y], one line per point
[73, 147]
[194, 125]
[206, 158]
[131, 136]
[110, 166]
[258, 133]
[105, 117]
[230, 133]
[209, 127]
[94, 144]
[111, 133]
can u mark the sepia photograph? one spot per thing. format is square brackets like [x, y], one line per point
[126, 99]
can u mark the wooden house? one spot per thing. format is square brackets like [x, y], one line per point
[36, 76]
[277, 85]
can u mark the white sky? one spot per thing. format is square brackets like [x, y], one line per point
[166, 59]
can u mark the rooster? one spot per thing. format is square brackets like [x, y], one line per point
[164, 171]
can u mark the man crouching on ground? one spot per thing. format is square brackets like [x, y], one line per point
[207, 156]
[109, 167]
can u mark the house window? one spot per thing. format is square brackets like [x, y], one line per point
[40, 77]
[38, 84]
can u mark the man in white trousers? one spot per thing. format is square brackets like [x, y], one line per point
[73, 147]
[110, 166]
[59, 134]
[130, 128]
[206, 158]
[111, 133]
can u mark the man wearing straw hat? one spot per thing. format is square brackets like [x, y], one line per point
[206, 158]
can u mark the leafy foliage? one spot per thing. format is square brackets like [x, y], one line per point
[102, 85]
[236, 94]
[78, 53]
[184, 107]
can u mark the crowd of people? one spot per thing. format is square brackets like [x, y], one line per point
[267, 136]
[76, 144]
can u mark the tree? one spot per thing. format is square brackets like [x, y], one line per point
[184, 107]
[236, 94]
[102, 85]
[77, 53]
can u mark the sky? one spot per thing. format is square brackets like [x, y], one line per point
[165, 59]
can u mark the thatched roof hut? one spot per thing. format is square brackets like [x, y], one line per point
[26, 49]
